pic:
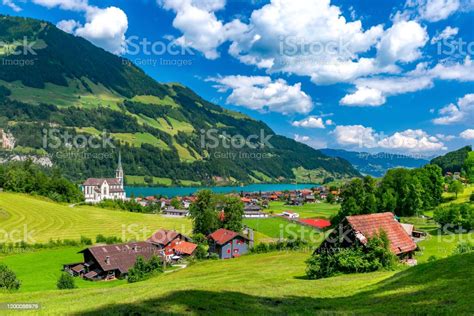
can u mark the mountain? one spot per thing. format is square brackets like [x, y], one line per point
[55, 84]
[454, 161]
[375, 165]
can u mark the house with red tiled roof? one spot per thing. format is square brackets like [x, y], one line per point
[227, 244]
[162, 238]
[356, 230]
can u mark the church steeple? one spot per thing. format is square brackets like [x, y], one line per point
[119, 172]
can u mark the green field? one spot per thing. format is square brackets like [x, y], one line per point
[462, 197]
[308, 210]
[46, 220]
[39, 270]
[272, 284]
[138, 139]
[279, 228]
[75, 94]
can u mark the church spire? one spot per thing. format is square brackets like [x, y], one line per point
[119, 172]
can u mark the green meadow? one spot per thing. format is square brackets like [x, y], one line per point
[270, 284]
[308, 210]
[46, 220]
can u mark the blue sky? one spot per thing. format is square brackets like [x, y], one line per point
[360, 75]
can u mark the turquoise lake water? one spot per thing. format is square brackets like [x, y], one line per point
[184, 191]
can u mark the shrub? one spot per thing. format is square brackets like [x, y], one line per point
[142, 269]
[376, 255]
[201, 252]
[471, 198]
[86, 241]
[8, 279]
[463, 248]
[65, 282]
[213, 256]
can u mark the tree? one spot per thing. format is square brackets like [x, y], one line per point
[8, 279]
[471, 198]
[175, 203]
[330, 198]
[233, 213]
[203, 213]
[65, 282]
[456, 187]
[142, 269]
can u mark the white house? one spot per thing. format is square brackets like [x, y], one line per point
[290, 214]
[99, 189]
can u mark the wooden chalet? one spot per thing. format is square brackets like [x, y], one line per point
[110, 262]
[356, 230]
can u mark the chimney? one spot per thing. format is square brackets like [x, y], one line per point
[107, 260]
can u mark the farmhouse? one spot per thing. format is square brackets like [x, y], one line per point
[98, 189]
[253, 211]
[290, 215]
[174, 212]
[163, 238]
[355, 230]
[227, 244]
[109, 262]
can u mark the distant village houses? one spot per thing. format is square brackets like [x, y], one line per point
[99, 189]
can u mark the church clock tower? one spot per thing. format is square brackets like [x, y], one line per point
[119, 172]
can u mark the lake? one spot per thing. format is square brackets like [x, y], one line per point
[185, 191]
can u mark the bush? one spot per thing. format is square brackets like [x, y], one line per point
[463, 248]
[8, 279]
[201, 252]
[86, 241]
[101, 239]
[65, 282]
[290, 244]
[471, 198]
[213, 256]
[142, 269]
[376, 255]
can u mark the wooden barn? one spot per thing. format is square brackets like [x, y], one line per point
[357, 229]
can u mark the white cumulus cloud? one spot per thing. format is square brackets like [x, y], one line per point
[413, 141]
[402, 42]
[11, 5]
[201, 29]
[448, 32]
[468, 134]
[462, 111]
[263, 94]
[104, 27]
[311, 122]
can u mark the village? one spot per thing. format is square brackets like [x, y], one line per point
[106, 262]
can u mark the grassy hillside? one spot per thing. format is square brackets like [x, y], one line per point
[274, 283]
[47, 220]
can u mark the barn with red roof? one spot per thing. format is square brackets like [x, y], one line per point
[356, 230]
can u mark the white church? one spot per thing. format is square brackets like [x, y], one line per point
[99, 189]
